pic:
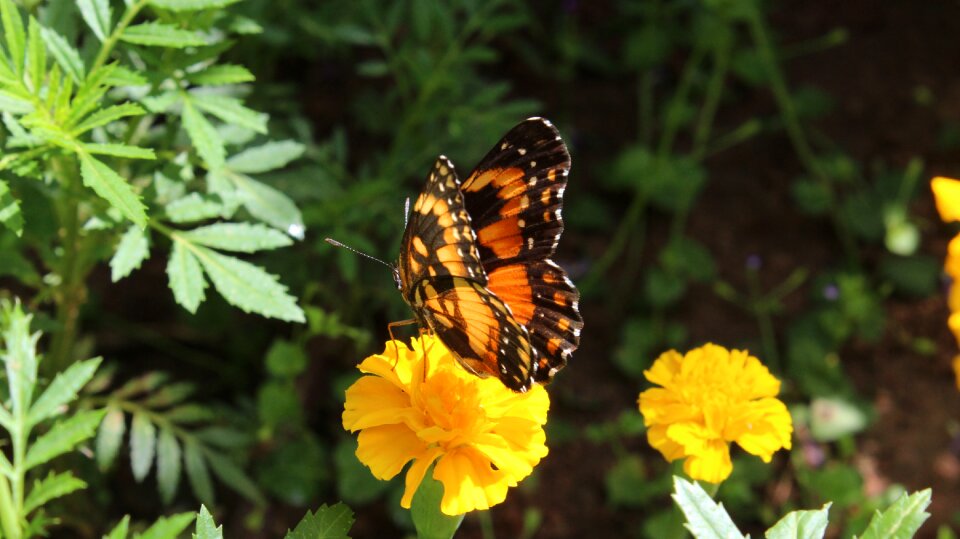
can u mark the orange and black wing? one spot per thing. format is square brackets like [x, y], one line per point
[514, 198]
[478, 328]
[443, 281]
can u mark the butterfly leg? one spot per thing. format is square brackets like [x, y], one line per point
[393, 339]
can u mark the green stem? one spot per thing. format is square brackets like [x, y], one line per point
[672, 121]
[711, 101]
[798, 139]
[760, 307]
[486, 525]
[9, 516]
[619, 242]
[114, 36]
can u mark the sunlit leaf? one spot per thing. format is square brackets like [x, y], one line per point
[161, 35]
[63, 437]
[902, 519]
[110, 437]
[62, 390]
[270, 156]
[204, 136]
[120, 530]
[133, 249]
[107, 115]
[168, 464]
[240, 237]
[143, 444]
[800, 525]
[14, 33]
[193, 207]
[96, 13]
[53, 486]
[197, 472]
[191, 5]
[206, 528]
[328, 522]
[10, 214]
[231, 110]
[114, 189]
[269, 205]
[65, 54]
[216, 75]
[706, 519]
[168, 527]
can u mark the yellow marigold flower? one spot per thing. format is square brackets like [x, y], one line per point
[483, 437]
[956, 369]
[707, 399]
[946, 193]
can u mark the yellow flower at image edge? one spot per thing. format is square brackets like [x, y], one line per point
[482, 436]
[708, 398]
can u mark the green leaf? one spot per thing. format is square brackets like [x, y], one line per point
[133, 249]
[706, 519]
[191, 5]
[120, 531]
[240, 237]
[63, 437]
[429, 521]
[221, 74]
[235, 478]
[97, 15]
[121, 76]
[114, 189]
[14, 104]
[10, 214]
[110, 437]
[231, 111]
[120, 150]
[902, 519]
[186, 277]
[249, 287]
[197, 473]
[65, 54]
[19, 357]
[168, 465]
[800, 525]
[269, 205]
[107, 115]
[13, 31]
[328, 522]
[206, 528]
[270, 156]
[143, 444]
[36, 56]
[167, 527]
[51, 487]
[193, 207]
[204, 136]
[161, 35]
[62, 390]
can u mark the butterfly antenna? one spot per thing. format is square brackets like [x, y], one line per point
[336, 243]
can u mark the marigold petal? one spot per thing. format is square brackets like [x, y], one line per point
[946, 193]
[373, 401]
[661, 406]
[693, 437]
[387, 449]
[657, 436]
[664, 368]
[415, 475]
[954, 324]
[953, 296]
[764, 429]
[469, 482]
[711, 464]
[951, 265]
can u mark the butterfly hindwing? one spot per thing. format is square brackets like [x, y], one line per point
[514, 198]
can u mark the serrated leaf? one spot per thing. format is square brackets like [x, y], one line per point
[191, 5]
[120, 530]
[113, 188]
[240, 237]
[206, 528]
[800, 525]
[64, 388]
[270, 156]
[96, 13]
[205, 138]
[186, 277]
[269, 205]
[120, 150]
[121, 76]
[249, 287]
[19, 357]
[14, 104]
[328, 522]
[14, 33]
[197, 473]
[65, 54]
[10, 214]
[107, 115]
[189, 414]
[193, 207]
[161, 102]
[51, 487]
[168, 465]
[143, 444]
[36, 56]
[110, 437]
[235, 478]
[902, 519]
[216, 75]
[231, 111]
[706, 519]
[63, 437]
[158, 34]
[133, 249]
[167, 527]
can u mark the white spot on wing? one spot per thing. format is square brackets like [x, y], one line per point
[522, 151]
[530, 242]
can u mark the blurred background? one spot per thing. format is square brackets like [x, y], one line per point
[753, 174]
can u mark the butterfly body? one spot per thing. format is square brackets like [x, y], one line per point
[475, 259]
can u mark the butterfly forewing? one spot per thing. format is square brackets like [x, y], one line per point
[514, 198]
[445, 284]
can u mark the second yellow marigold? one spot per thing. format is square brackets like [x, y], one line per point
[708, 398]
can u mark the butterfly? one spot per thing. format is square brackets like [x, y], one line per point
[475, 263]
